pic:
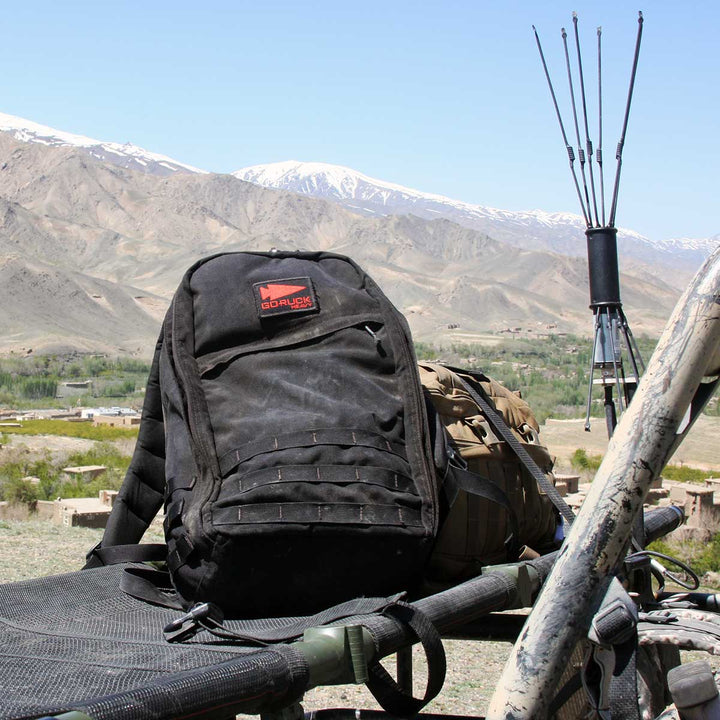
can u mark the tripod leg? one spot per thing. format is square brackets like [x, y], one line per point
[634, 355]
[613, 321]
[610, 414]
[592, 372]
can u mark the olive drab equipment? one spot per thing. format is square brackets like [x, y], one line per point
[492, 431]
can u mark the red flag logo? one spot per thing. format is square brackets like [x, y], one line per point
[284, 295]
[273, 292]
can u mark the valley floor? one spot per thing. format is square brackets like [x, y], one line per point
[700, 449]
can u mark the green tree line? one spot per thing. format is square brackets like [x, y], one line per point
[51, 482]
[551, 373]
[33, 380]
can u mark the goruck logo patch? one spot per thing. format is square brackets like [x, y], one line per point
[281, 297]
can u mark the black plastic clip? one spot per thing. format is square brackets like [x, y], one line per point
[201, 616]
[658, 618]
[614, 624]
[455, 459]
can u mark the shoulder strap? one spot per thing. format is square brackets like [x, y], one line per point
[500, 427]
[154, 586]
[142, 491]
[209, 617]
[134, 553]
[476, 484]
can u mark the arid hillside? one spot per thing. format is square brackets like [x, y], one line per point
[90, 254]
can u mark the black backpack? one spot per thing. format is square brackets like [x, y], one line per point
[300, 461]
[286, 431]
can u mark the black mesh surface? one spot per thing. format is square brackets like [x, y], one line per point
[75, 641]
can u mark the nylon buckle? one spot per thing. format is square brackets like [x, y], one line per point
[614, 624]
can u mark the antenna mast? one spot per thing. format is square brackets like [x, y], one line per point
[611, 328]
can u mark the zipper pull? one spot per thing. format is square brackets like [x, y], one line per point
[378, 343]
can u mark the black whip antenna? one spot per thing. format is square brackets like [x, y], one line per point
[621, 143]
[581, 152]
[598, 150]
[568, 147]
[611, 328]
[588, 142]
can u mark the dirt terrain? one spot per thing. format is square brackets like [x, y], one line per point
[33, 549]
[56, 445]
[700, 449]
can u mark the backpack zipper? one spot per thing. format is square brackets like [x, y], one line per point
[416, 403]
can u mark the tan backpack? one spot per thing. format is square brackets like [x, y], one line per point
[475, 530]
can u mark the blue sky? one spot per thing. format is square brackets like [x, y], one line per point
[443, 97]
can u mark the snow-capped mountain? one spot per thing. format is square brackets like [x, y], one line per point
[126, 155]
[90, 256]
[688, 247]
[556, 231]
[530, 230]
[533, 229]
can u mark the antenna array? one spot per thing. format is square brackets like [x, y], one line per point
[610, 323]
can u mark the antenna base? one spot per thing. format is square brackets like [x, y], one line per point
[611, 333]
[603, 267]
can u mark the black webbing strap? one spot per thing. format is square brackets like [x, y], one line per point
[566, 692]
[285, 629]
[153, 586]
[115, 554]
[385, 689]
[302, 513]
[500, 427]
[476, 484]
[334, 474]
[610, 673]
[309, 438]
[624, 687]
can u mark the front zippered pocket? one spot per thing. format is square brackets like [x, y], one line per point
[307, 334]
[326, 446]
[339, 379]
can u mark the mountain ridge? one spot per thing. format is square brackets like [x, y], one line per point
[367, 195]
[113, 243]
[539, 229]
[125, 154]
